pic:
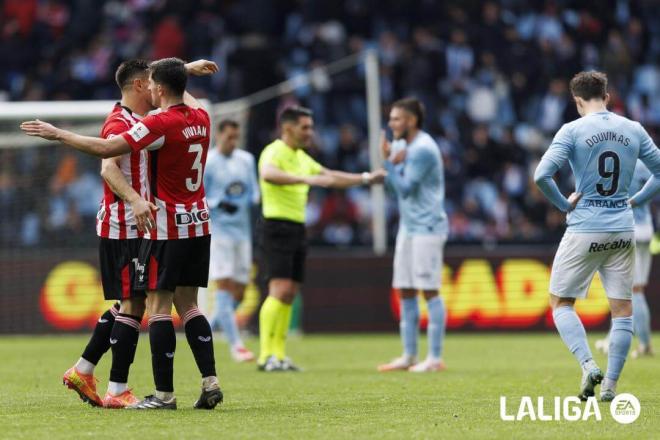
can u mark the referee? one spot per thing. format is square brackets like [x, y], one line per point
[286, 173]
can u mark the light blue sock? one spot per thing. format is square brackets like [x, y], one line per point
[641, 318]
[225, 316]
[408, 325]
[620, 340]
[436, 328]
[572, 332]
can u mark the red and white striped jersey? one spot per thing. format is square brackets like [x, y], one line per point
[178, 142]
[115, 218]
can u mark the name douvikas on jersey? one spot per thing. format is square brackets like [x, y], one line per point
[178, 142]
[115, 219]
[602, 149]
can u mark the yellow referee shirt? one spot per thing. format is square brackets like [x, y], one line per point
[286, 202]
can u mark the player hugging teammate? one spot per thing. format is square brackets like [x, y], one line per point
[173, 260]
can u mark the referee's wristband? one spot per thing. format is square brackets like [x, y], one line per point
[366, 178]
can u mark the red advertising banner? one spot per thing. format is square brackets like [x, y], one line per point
[504, 289]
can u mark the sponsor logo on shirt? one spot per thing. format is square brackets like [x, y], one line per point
[611, 246]
[191, 218]
[600, 203]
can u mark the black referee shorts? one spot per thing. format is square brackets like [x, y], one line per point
[166, 264]
[284, 249]
[118, 267]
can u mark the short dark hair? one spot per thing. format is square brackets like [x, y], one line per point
[292, 114]
[413, 106]
[170, 72]
[128, 70]
[589, 85]
[227, 123]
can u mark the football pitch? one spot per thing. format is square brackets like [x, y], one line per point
[339, 395]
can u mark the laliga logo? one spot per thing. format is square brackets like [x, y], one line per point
[625, 409]
[570, 409]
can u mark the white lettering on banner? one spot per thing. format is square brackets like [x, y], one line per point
[567, 408]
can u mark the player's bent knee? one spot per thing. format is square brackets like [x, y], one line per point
[620, 308]
[558, 301]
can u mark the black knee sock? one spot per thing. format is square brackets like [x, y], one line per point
[124, 339]
[163, 345]
[99, 343]
[200, 339]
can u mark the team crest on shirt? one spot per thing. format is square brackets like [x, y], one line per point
[235, 189]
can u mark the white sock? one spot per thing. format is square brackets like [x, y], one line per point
[84, 366]
[209, 382]
[164, 396]
[116, 388]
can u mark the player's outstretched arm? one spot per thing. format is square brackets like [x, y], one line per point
[341, 179]
[91, 145]
[198, 68]
[142, 209]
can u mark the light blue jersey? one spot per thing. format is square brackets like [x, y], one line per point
[602, 149]
[419, 183]
[231, 181]
[641, 213]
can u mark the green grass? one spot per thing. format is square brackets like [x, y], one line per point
[340, 395]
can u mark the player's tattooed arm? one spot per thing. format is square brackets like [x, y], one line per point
[142, 209]
[87, 144]
[198, 68]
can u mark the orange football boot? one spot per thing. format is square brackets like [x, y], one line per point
[83, 384]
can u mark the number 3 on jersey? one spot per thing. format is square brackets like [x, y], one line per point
[196, 166]
[608, 171]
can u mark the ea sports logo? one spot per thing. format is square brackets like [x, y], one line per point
[625, 408]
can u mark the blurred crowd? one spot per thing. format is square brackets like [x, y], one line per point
[493, 77]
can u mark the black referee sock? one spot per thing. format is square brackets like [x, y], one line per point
[163, 345]
[123, 339]
[99, 343]
[200, 339]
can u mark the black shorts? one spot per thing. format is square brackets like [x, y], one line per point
[118, 268]
[284, 249]
[166, 264]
